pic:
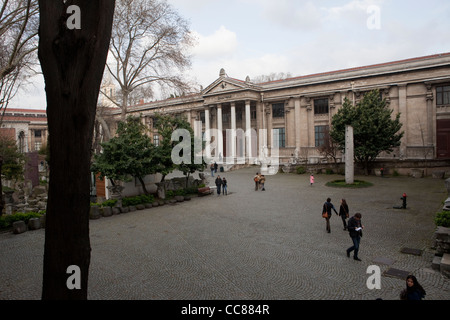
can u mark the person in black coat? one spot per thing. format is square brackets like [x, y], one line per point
[218, 184]
[413, 291]
[354, 228]
[327, 207]
[344, 212]
[224, 186]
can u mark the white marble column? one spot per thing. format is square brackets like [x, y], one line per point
[207, 133]
[248, 130]
[233, 130]
[219, 132]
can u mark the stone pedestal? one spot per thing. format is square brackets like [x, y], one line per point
[34, 224]
[19, 227]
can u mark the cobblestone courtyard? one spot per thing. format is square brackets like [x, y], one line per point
[251, 245]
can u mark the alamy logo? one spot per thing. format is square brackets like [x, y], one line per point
[374, 20]
[374, 280]
[74, 281]
[74, 21]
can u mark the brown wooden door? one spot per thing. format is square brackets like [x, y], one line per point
[443, 138]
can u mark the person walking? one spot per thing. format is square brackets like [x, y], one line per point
[311, 179]
[327, 207]
[354, 228]
[215, 166]
[218, 184]
[262, 182]
[224, 186]
[256, 179]
[413, 291]
[344, 212]
[212, 169]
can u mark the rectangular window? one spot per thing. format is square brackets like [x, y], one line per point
[278, 110]
[321, 134]
[279, 137]
[443, 95]
[156, 140]
[320, 106]
[37, 133]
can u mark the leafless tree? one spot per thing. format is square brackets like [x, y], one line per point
[18, 45]
[329, 148]
[148, 48]
[271, 77]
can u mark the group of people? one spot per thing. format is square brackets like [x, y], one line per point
[221, 184]
[354, 226]
[413, 291]
[260, 181]
[213, 168]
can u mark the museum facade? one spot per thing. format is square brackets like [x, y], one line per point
[292, 116]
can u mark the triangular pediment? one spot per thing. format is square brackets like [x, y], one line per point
[223, 85]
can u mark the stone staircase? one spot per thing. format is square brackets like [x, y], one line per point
[441, 260]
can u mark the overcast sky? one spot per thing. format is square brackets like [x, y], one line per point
[259, 37]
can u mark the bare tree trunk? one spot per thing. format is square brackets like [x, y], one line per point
[2, 205]
[124, 105]
[72, 62]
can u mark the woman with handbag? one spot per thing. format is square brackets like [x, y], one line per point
[344, 212]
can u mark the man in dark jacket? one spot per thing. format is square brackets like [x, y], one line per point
[354, 228]
[327, 207]
[218, 184]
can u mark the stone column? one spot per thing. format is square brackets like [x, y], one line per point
[219, 132]
[248, 132]
[402, 108]
[430, 129]
[233, 130]
[207, 133]
[349, 165]
[297, 123]
[268, 113]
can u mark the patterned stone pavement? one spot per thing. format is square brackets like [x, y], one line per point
[251, 245]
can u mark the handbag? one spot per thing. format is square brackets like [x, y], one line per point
[346, 213]
[324, 212]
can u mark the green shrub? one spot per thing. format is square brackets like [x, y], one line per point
[343, 184]
[133, 201]
[301, 170]
[191, 190]
[109, 203]
[7, 221]
[443, 219]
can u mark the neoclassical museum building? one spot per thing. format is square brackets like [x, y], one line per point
[290, 118]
